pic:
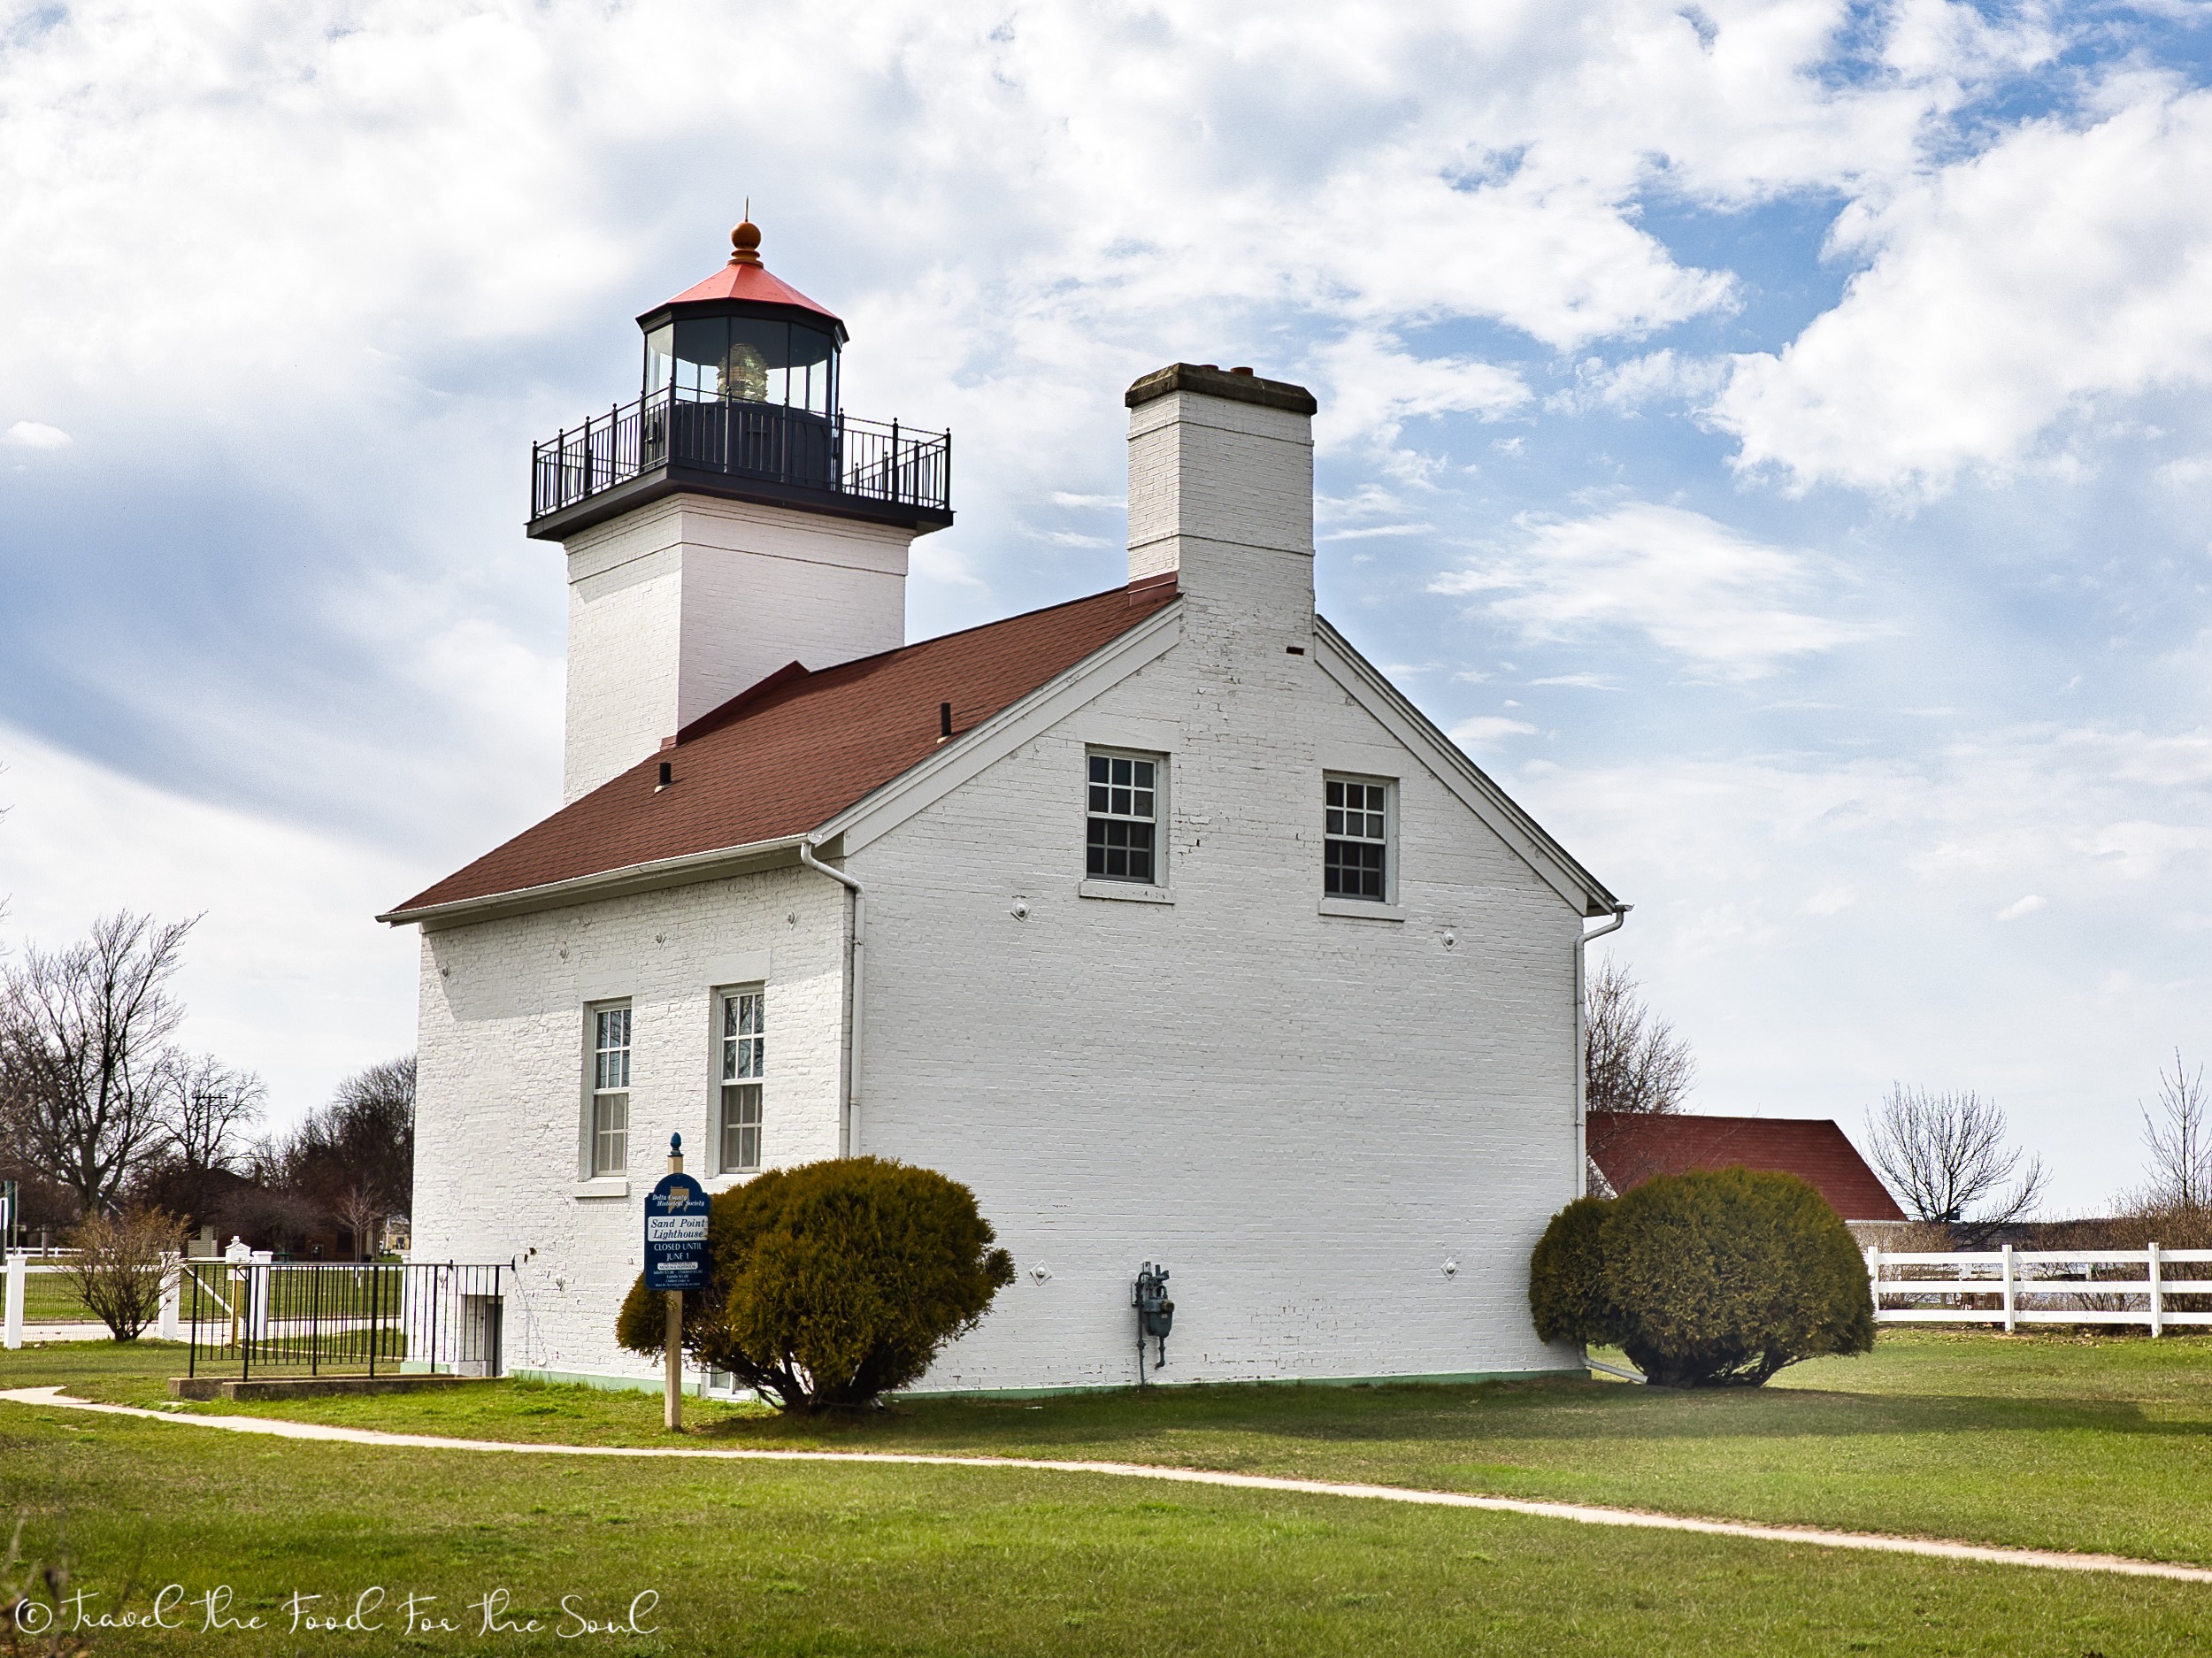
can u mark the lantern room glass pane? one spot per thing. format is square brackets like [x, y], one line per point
[813, 364]
[660, 361]
[703, 344]
[756, 367]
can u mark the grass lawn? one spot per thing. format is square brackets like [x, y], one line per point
[2038, 1441]
[2042, 1441]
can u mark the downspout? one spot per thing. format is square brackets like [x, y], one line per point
[851, 1136]
[1582, 1038]
[1582, 1092]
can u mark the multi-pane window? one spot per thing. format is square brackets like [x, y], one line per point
[744, 1055]
[1122, 814]
[1355, 861]
[610, 1091]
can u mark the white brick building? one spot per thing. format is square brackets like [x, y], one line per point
[1299, 1020]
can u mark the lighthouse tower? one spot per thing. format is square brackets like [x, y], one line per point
[732, 520]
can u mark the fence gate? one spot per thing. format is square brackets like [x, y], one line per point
[265, 1317]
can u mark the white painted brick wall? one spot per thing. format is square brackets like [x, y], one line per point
[676, 608]
[1304, 1116]
[500, 1123]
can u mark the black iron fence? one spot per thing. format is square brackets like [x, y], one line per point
[839, 455]
[297, 1318]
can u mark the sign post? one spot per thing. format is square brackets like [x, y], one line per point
[675, 1259]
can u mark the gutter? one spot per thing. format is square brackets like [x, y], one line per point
[676, 871]
[1582, 1056]
[851, 884]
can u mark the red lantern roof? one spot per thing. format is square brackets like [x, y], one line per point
[746, 277]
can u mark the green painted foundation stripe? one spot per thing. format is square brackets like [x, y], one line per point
[1450, 1378]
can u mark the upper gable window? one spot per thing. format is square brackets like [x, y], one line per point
[1356, 857]
[1123, 817]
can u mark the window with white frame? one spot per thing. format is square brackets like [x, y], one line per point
[1356, 850]
[1122, 817]
[742, 1059]
[611, 1090]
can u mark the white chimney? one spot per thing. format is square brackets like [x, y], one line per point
[1221, 493]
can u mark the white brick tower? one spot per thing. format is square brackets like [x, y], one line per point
[732, 520]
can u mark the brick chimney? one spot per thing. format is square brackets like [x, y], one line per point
[1221, 493]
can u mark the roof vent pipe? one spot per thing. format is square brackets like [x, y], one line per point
[944, 721]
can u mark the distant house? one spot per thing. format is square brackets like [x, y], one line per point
[1629, 1147]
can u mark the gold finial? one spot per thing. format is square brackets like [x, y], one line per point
[745, 240]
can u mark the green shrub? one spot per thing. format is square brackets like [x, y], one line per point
[1705, 1280]
[833, 1282]
[1566, 1275]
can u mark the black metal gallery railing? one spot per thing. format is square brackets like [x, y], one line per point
[838, 455]
[383, 1318]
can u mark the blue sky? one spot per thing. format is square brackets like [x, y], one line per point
[1773, 437]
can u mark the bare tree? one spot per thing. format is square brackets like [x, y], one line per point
[1943, 1155]
[86, 1068]
[2179, 1138]
[1632, 1058]
[359, 1208]
[210, 1107]
[353, 1159]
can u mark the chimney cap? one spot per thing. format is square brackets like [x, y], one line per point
[1240, 386]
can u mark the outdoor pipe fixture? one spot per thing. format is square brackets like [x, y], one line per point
[1156, 1313]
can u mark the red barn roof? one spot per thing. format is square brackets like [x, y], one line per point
[1630, 1147]
[786, 756]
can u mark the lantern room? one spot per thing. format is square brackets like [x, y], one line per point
[739, 396]
[745, 336]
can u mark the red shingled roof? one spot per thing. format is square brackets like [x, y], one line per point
[1630, 1147]
[751, 283]
[791, 753]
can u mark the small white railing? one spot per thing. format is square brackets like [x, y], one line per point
[2012, 1288]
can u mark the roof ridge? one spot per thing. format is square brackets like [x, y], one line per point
[722, 713]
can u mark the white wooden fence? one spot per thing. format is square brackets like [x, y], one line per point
[2013, 1288]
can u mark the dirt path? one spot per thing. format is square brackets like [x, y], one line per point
[1580, 1514]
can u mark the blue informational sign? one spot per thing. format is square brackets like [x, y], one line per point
[676, 1234]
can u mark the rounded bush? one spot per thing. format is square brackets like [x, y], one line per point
[1705, 1280]
[1566, 1275]
[833, 1282]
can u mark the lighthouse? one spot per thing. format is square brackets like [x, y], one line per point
[731, 521]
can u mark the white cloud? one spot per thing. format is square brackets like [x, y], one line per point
[2026, 906]
[289, 974]
[1717, 600]
[1489, 731]
[2005, 291]
[1655, 377]
[1375, 386]
[35, 435]
[1372, 530]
